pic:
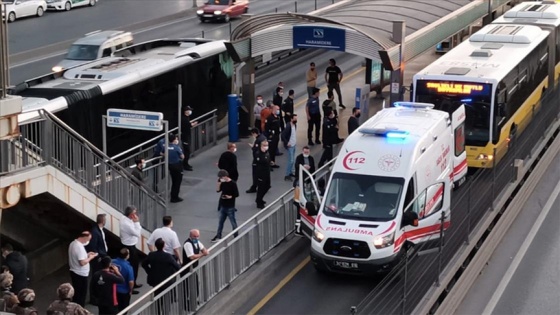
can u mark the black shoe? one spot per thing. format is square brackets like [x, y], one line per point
[250, 191]
[317, 141]
[175, 200]
[189, 169]
[279, 153]
[287, 178]
[260, 206]
[135, 292]
[342, 106]
[215, 239]
[310, 143]
[275, 166]
[137, 286]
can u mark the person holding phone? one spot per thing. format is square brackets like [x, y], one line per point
[78, 260]
[228, 193]
[130, 229]
[103, 286]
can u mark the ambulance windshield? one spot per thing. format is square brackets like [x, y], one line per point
[363, 197]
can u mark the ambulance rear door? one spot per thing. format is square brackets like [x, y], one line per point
[459, 154]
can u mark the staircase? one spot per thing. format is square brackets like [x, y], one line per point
[50, 157]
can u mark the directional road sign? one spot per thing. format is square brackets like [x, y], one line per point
[134, 119]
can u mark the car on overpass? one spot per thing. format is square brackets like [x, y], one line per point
[68, 5]
[222, 10]
[21, 8]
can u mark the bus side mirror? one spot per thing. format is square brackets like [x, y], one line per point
[410, 218]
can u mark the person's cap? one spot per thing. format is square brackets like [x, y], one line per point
[6, 279]
[65, 291]
[26, 295]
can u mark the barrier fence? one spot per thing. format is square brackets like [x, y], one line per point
[50, 142]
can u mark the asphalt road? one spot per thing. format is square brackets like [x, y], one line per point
[34, 53]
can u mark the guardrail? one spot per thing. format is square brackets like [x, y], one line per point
[228, 259]
[422, 281]
[51, 142]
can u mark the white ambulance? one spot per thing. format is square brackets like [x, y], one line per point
[390, 186]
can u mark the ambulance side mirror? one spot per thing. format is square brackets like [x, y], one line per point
[410, 218]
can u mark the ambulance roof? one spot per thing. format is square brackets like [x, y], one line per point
[389, 142]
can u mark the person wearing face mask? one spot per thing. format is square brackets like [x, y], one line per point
[306, 160]
[289, 137]
[137, 172]
[186, 126]
[255, 148]
[193, 250]
[311, 77]
[228, 161]
[273, 127]
[277, 101]
[228, 193]
[288, 107]
[175, 166]
[98, 245]
[353, 121]
[257, 112]
[78, 260]
[262, 167]
[330, 137]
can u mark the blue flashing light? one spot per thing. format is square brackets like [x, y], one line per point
[396, 134]
[466, 100]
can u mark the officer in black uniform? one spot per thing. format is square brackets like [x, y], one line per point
[272, 127]
[176, 157]
[262, 161]
[255, 147]
[186, 126]
[330, 136]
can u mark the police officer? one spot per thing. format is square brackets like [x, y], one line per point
[262, 161]
[255, 147]
[186, 126]
[313, 114]
[273, 126]
[176, 157]
[330, 136]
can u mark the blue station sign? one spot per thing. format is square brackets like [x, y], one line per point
[134, 119]
[319, 37]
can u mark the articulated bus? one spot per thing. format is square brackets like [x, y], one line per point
[499, 74]
[544, 14]
[142, 77]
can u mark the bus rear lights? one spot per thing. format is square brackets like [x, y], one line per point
[485, 157]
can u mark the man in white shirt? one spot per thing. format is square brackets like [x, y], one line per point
[166, 233]
[78, 260]
[130, 234]
[193, 250]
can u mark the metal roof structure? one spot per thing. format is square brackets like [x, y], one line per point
[368, 26]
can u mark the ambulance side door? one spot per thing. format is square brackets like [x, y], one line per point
[428, 207]
[307, 190]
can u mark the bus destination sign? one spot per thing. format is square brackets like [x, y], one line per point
[458, 88]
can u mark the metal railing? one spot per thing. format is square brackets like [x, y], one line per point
[406, 287]
[51, 142]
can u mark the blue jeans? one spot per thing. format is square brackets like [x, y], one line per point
[229, 213]
[291, 157]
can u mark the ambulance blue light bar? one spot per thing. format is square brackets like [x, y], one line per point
[413, 105]
[388, 132]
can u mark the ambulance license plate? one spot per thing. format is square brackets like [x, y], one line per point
[346, 265]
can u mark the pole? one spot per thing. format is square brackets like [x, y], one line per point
[4, 55]
[166, 159]
[104, 132]
[397, 76]
[179, 108]
[295, 4]
[194, 5]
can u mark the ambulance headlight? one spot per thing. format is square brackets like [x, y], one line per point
[318, 236]
[384, 241]
[485, 157]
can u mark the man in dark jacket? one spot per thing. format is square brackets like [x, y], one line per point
[330, 137]
[273, 127]
[228, 161]
[306, 160]
[262, 161]
[98, 245]
[277, 100]
[159, 266]
[137, 172]
[16, 263]
[186, 126]
[353, 121]
[288, 106]
[104, 287]
[255, 147]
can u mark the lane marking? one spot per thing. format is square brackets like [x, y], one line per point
[521, 253]
[324, 87]
[278, 287]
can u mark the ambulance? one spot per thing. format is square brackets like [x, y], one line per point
[388, 190]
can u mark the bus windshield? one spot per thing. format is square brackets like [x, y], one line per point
[363, 197]
[448, 96]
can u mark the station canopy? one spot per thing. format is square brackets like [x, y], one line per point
[360, 27]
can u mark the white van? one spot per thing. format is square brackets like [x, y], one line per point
[93, 46]
[389, 187]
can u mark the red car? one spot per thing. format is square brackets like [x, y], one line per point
[222, 10]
